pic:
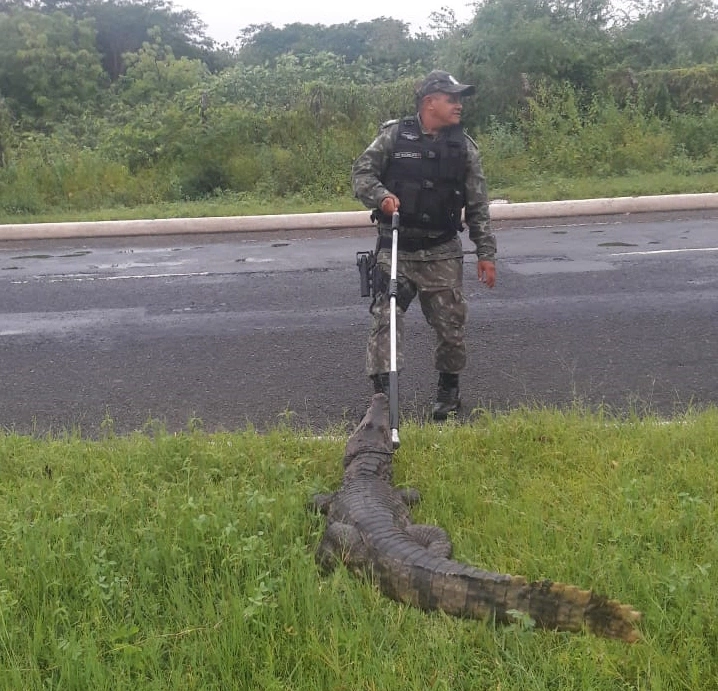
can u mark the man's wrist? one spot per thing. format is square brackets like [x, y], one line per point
[381, 195]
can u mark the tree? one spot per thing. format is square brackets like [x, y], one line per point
[5, 131]
[671, 33]
[443, 22]
[513, 44]
[154, 74]
[383, 42]
[49, 66]
[123, 25]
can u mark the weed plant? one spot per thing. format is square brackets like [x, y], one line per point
[160, 561]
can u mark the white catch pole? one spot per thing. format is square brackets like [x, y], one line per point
[393, 371]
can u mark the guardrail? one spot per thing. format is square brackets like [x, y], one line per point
[344, 219]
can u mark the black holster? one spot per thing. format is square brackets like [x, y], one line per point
[366, 261]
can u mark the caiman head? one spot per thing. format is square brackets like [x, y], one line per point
[370, 444]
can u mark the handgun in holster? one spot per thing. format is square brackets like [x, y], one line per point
[366, 262]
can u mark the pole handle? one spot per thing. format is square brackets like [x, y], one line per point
[395, 221]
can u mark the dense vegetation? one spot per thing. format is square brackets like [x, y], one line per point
[111, 103]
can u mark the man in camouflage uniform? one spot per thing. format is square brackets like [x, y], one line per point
[427, 168]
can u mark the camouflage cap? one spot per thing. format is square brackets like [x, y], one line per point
[438, 80]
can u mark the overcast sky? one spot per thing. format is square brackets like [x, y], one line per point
[225, 19]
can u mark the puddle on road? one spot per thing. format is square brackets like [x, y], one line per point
[557, 266]
[153, 250]
[535, 258]
[253, 260]
[10, 268]
[133, 265]
[79, 253]
[616, 244]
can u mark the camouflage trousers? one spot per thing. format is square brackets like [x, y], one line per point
[438, 283]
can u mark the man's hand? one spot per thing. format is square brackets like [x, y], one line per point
[487, 272]
[389, 204]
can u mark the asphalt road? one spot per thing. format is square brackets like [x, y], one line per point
[242, 329]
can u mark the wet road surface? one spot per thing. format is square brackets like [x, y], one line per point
[245, 329]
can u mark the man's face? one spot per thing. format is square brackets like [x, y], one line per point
[446, 108]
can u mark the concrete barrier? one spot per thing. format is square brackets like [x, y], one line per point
[344, 219]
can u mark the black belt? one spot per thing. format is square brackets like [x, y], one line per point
[416, 244]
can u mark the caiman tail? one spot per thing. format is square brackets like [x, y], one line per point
[464, 591]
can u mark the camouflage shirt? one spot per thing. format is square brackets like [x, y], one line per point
[368, 187]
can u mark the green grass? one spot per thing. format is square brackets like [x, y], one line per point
[227, 204]
[529, 190]
[159, 561]
[557, 188]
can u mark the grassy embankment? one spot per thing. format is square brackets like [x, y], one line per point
[539, 189]
[158, 561]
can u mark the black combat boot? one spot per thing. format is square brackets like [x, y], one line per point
[448, 398]
[381, 382]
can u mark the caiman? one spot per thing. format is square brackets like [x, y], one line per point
[369, 529]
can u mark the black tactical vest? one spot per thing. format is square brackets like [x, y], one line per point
[428, 176]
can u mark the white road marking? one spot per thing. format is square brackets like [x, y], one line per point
[687, 249]
[570, 225]
[80, 278]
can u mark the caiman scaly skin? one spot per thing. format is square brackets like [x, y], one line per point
[370, 530]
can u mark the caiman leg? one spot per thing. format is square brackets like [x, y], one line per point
[321, 502]
[341, 543]
[409, 495]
